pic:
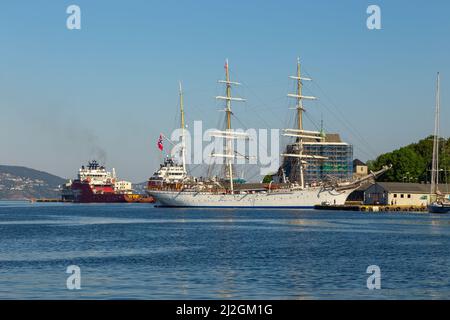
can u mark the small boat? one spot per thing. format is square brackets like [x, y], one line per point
[439, 207]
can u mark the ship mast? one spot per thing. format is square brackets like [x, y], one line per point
[299, 107]
[299, 104]
[435, 162]
[299, 132]
[229, 142]
[228, 134]
[183, 128]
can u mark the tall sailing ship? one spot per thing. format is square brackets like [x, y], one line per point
[227, 192]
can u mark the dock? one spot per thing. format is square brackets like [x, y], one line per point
[50, 200]
[372, 208]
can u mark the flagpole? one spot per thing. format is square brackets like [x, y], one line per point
[160, 146]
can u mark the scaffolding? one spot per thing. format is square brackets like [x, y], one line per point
[338, 165]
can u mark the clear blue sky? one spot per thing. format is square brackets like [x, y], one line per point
[112, 86]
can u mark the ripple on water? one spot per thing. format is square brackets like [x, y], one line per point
[141, 252]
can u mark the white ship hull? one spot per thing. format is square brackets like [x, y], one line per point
[307, 198]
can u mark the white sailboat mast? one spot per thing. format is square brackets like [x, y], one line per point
[183, 128]
[435, 162]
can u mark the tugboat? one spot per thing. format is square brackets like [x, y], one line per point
[95, 184]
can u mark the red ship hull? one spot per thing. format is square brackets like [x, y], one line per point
[83, 193]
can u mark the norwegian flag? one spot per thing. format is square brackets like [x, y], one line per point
[160, 143]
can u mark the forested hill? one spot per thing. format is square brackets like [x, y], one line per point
[412, 163]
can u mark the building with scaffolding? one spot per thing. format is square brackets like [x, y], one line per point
[334, 161]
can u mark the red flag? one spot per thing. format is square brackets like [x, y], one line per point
[160, 143]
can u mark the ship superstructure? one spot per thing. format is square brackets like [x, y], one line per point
[100, 180]
[169, 172]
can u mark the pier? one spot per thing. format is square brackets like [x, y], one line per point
[50, 200]
[372, 208]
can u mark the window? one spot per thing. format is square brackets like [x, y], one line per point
[395, 195]
[409, 196]
[402, 195]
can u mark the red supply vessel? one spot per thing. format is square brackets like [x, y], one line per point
[94, 184]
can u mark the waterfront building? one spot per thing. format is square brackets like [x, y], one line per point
[398, 193]
[360, 169]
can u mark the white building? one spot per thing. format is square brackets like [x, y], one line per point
[360, 169]
[397, 193]
[123, 187]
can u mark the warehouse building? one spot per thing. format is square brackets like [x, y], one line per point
[397, 193]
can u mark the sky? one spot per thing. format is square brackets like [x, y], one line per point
[109, 89]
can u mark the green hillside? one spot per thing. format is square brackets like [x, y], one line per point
[412, 163]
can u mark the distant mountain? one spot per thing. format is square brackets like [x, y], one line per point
[17, 183]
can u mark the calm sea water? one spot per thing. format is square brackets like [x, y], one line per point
[135, 251]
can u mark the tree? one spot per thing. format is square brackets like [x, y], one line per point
[412, 163]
